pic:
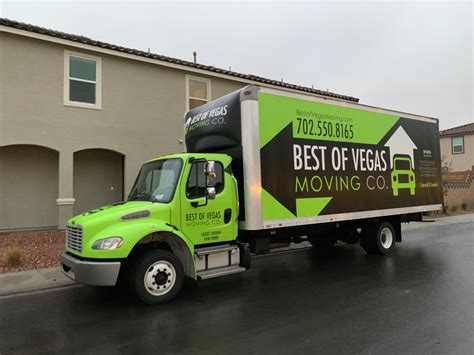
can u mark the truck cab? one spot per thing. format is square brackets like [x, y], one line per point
[180, 218]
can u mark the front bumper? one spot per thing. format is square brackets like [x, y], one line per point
[97, 273]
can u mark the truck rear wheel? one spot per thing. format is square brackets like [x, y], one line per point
[157, 277]
[378, 238]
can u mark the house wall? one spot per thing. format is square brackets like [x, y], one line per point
[141, 115]
[458, 162]
[28, 187]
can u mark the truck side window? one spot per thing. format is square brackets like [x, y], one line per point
[196, 184]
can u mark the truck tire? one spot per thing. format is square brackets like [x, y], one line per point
[157, 277]
[378, 238]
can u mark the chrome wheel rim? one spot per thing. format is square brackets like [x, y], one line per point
[160, 278]
[386, 238]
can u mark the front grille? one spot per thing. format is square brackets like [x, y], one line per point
[74, 238]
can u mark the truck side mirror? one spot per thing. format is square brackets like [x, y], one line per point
[211, 193]
[211, 176]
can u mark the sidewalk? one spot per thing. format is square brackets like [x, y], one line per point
[34, 280]
[43, 279]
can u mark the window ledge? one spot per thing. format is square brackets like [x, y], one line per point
[83, 105]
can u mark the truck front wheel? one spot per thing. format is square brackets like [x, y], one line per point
[157, 277]
[378, 238]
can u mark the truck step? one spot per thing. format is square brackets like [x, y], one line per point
[221, 271]
[215, 250]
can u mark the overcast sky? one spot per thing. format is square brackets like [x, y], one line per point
[409, 56]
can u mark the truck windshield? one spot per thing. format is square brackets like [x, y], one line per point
[156, 181]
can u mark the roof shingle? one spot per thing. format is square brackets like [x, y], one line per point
[459, 130]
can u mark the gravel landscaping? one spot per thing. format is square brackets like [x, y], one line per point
[38, 249]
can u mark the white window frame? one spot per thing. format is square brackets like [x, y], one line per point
[197, 78]
[98, 81]
[452, 145]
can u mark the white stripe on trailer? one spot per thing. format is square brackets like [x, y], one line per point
[251, 165]
[340, 217]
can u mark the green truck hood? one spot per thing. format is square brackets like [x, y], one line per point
[114, 212]
[106, 221]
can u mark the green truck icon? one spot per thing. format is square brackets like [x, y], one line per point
[403, 176]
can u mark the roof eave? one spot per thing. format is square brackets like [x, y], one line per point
[98, 46]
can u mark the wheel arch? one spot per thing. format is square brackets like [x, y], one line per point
[168, 241]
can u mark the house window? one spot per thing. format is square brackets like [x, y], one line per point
[82, 80]
[457, 145]
[198, 92]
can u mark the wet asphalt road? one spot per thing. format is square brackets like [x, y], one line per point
[418, 300]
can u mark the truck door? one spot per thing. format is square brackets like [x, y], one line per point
[205, 220]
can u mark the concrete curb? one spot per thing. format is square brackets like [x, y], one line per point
[44, 279]
[34, 280]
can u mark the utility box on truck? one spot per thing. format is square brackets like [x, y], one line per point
[263, 167]
[301, 159]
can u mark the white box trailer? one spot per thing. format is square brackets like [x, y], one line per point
[304, 159]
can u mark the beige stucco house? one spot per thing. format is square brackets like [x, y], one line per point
[78, 117]
[457, 147]
[457, 152]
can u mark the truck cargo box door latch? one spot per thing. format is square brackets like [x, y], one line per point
[227, 215]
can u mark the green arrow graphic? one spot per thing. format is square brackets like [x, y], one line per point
[312, 206]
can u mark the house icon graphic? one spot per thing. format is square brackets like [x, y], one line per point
[400, 143]
[402, 162]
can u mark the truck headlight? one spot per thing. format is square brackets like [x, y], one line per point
[108, 243]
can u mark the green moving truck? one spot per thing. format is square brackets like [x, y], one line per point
[263, 166]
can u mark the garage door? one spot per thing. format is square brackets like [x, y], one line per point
[98, 178]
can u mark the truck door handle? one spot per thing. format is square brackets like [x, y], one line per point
[227, 215]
